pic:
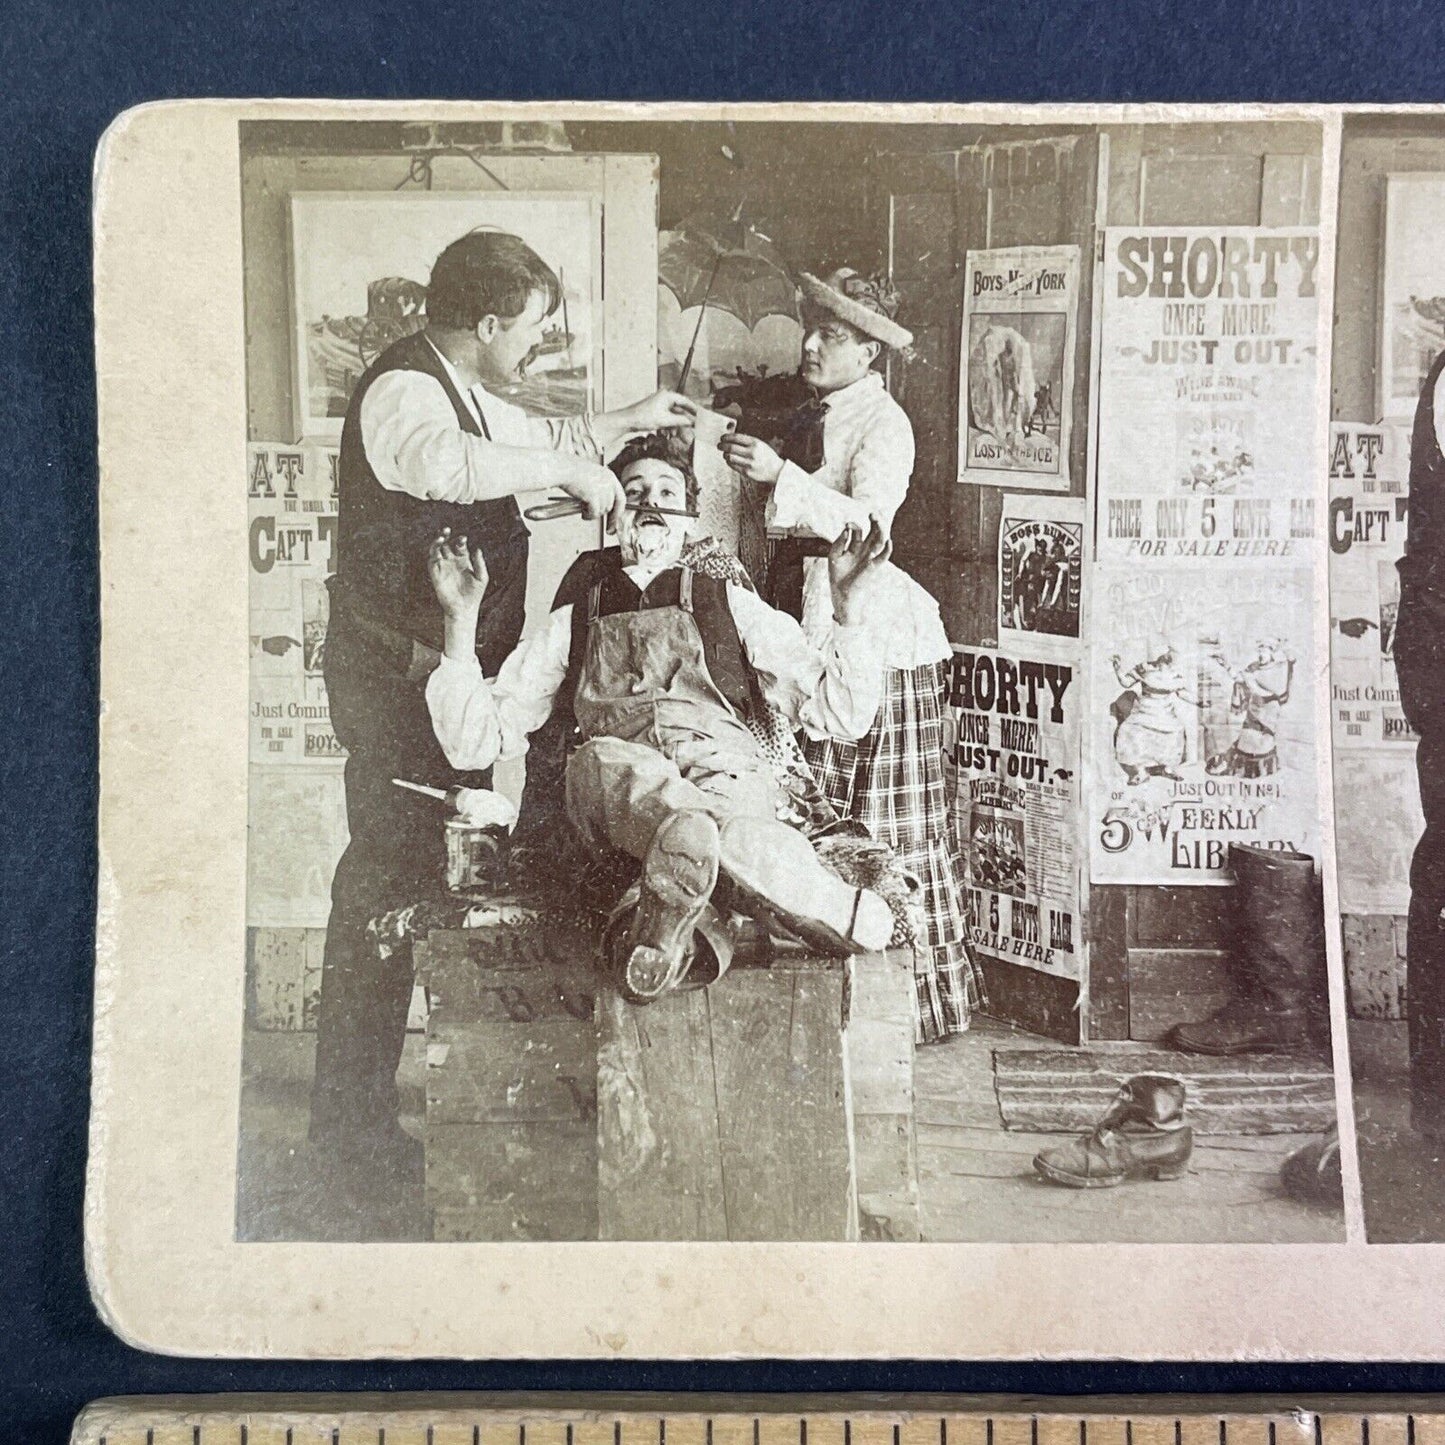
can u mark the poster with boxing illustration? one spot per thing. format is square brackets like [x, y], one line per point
[1040, 570]
[1202, 712]
[1016, 372]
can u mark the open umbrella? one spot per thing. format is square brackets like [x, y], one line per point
[728, 267]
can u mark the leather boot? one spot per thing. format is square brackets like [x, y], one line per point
[1142, 1136]
[1277, 961]
[679, 874]
[777, 876]
[1312, 1172]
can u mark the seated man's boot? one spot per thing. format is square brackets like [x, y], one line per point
[1277, 962]
[777, 876]
[679, 874]
[1142, 1136]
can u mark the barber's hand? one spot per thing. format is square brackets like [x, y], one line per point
[854, 563]
[458, 574]
[599, 492]
[751, 459]
[661, 411]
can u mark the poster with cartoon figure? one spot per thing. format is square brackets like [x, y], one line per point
[1202, 717]
[1016, 371]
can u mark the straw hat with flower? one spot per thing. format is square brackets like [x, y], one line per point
[866, 303]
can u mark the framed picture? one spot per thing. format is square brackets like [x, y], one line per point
[1412, 288]
[360, 262]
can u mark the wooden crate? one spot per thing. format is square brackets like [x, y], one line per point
[511, 1100]
[776, 1105]
[880, 1042]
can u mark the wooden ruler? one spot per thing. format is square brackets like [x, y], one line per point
[762, 1420]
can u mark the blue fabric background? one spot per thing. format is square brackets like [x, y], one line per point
[67, 70]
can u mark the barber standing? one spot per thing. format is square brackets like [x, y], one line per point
[426, 446]
[849, 461]
[1420, 666]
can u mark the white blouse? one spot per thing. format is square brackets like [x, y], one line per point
[867, 463]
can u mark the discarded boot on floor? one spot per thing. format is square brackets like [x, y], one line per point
[1277, 962]
[1312, 1173]
[1142, 1136]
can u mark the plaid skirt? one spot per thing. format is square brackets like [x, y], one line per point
[891, 781]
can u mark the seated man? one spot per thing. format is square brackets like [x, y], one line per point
[658, 665]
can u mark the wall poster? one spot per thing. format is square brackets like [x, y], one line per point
[1202, 720]
[1014, 753]
[360, 265]
[1206, 394]
[297, 810]
[1369, 513]
[1040, 569]
[1016, 373]
[1374, 746]
[1412, 299]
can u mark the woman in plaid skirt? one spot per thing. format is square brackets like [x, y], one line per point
[850, 467]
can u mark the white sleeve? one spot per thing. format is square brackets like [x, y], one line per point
[802, 503]
[510, 425]
[478, 722]
[834, 693]
[415, 445]
[877, 482]
[1439, 409]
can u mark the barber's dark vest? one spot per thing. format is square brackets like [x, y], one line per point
[1420, 623]
[383, 537]
[600, 575]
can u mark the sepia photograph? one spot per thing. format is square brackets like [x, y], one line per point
[782, 701]
[1385, 466]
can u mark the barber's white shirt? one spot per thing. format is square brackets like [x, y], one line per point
[868, 461]
[833, 692]
[415, 444]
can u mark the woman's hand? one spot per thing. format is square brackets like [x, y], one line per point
[458, 574]
[853, 565]
[751, 459]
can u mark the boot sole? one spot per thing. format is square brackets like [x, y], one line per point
[678, 878]
[1159, 1172]
[800, 893]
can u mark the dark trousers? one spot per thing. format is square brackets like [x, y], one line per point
[396, 856]
[1425, 945]
[1422, 693]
